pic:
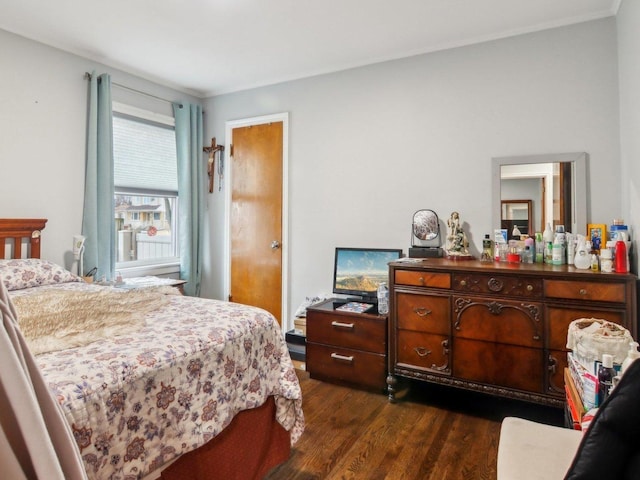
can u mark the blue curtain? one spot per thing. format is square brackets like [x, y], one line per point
[189, 135]
[98, 224]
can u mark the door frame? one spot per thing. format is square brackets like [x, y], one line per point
[229, 126]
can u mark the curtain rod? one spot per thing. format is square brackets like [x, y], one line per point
[87, 76]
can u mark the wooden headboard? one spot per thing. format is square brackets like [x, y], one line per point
[15, 231]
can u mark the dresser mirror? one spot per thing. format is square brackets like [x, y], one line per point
[556, 185]
[425, 229]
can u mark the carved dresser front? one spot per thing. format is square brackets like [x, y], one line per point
[498, 328]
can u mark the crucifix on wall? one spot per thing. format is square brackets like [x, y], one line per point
[212, 150]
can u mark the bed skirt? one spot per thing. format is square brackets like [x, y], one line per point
[252, 444]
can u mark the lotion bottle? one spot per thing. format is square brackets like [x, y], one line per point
[631, 356]
[582, 258]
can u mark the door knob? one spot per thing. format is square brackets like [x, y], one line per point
[275, 245]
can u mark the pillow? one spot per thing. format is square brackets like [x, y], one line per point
[33, 272]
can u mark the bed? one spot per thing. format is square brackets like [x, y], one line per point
[186, 388]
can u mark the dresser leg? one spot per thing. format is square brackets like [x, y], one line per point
[391, 388]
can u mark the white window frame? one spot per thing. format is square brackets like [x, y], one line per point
[166, 266]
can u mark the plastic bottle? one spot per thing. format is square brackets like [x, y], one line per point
[595, 266]
[383, 298]
[621, 257]
[605, 377]
[606, 260]
[487, 249]
[582, 259]
[547, 238]
[631, 356]
[539, 248]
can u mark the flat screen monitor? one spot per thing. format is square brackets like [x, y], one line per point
[359, 271]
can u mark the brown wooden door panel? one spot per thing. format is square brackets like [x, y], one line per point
[559, 318]
[498, 364]
[501, 321]
[256, 216]
[424, 313]
[557, 362]
[423, 350]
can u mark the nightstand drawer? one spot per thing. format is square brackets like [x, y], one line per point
[367, 333]
[422, 279]
[346, 366]
[594, 291]
[424, 313]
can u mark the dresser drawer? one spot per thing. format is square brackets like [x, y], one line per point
[346, 366]
[423, 350]
[422, 279]
[498, 284]
[425, 313]
[585, 290]
[368, 333]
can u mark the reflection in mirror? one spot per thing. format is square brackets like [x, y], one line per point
[555, 183]
[515, 217]
[425, 229]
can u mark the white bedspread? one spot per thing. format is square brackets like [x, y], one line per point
[139, 400]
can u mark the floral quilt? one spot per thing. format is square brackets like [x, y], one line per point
[139, 400]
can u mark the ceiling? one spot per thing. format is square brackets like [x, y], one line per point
[210, 47]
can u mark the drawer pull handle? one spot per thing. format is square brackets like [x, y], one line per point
[421, 280]
[422, 351]
[341, 325]
[344, 358]
[463, 283]
[583, 291]
[421, 311]
[530, 288]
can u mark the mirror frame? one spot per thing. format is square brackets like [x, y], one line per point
[578, 184]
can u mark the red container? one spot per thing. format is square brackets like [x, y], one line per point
[621, 257]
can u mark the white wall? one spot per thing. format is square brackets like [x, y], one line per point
[43, 109]
[628, 21]
[369, 146]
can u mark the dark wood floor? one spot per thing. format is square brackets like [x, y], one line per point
[432, 432]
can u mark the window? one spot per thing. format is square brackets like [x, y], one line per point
[146, 189]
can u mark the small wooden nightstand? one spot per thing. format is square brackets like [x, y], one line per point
[145, 282]
[345, 347]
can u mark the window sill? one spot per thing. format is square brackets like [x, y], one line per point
[164, 269]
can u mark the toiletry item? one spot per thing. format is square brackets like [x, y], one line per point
[500, 244]
[605, 377]
[632, 355]
[571, 248]
[487, 249]
[621, 257]
[547, 238]
[595, 266]
[539, 248]
[617, 227]
[582, 258]
[557, 251]
[548, 252]
[527, 254]
[516, 233]
[606, 260]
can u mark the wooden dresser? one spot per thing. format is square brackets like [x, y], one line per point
[345, 347]
[497, 328]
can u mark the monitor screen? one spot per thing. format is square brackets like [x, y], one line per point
[358, 271]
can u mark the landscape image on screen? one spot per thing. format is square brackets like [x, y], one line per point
[362, 270]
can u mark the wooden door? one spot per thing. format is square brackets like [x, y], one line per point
[256, 217]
